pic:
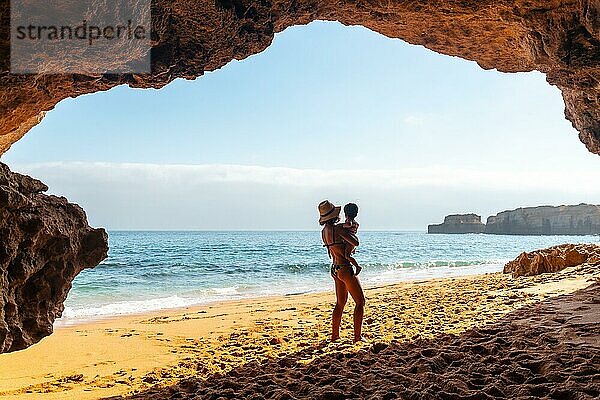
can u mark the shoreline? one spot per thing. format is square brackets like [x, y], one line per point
[131, 354]
[226, 302]
[465, 272]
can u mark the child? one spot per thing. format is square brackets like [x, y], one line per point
[351, 211]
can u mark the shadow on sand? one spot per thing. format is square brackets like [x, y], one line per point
[549, 350]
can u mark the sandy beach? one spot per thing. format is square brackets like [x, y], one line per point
[196, 351]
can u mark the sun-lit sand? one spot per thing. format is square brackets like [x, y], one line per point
[130, 354]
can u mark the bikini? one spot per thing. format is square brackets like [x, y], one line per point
[334, 267]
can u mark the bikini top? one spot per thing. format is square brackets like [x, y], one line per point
[328, 245]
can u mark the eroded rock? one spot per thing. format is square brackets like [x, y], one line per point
[458, 223]
[581, 219]
[45, 241]
[553, 259]
[560, 38]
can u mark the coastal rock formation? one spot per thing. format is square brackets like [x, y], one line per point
[45, 242]
[560, 38]
[582, 219]
[459, 223]
[553, 259]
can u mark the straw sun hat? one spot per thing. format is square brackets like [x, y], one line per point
[328, 211]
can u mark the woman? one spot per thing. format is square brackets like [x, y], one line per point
[335, 237]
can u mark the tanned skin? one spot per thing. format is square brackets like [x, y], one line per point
[345, 280]
[352, 227]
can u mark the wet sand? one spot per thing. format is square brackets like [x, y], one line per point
[425, 337]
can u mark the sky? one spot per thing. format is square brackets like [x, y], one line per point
[326, 112]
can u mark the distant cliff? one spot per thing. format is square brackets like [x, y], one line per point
[459, 223]
[582, 219]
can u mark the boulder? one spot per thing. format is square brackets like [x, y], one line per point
[553, 259]
[45, 241]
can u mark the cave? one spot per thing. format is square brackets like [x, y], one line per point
[48, 247]
[558, 38]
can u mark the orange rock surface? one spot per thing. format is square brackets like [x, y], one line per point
[553, 259]
[560, 38]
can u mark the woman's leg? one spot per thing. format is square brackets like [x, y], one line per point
[341, 294]
[353, 286]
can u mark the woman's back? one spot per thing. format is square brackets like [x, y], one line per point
[334, 238]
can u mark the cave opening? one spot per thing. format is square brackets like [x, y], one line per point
[209, 192]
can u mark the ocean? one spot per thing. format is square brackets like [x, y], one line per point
[149, 271]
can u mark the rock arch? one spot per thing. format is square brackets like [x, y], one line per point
[560, 38]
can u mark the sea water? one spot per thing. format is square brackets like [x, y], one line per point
[148, 271]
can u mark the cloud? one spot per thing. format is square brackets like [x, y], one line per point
[219, 196]
[432, 176]
[421, 119]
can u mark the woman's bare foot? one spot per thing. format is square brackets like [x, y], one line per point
[360, 340]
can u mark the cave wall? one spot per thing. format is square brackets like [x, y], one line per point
[45, 241]
[560, 38]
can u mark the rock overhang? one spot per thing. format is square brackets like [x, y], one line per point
[558, 38]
